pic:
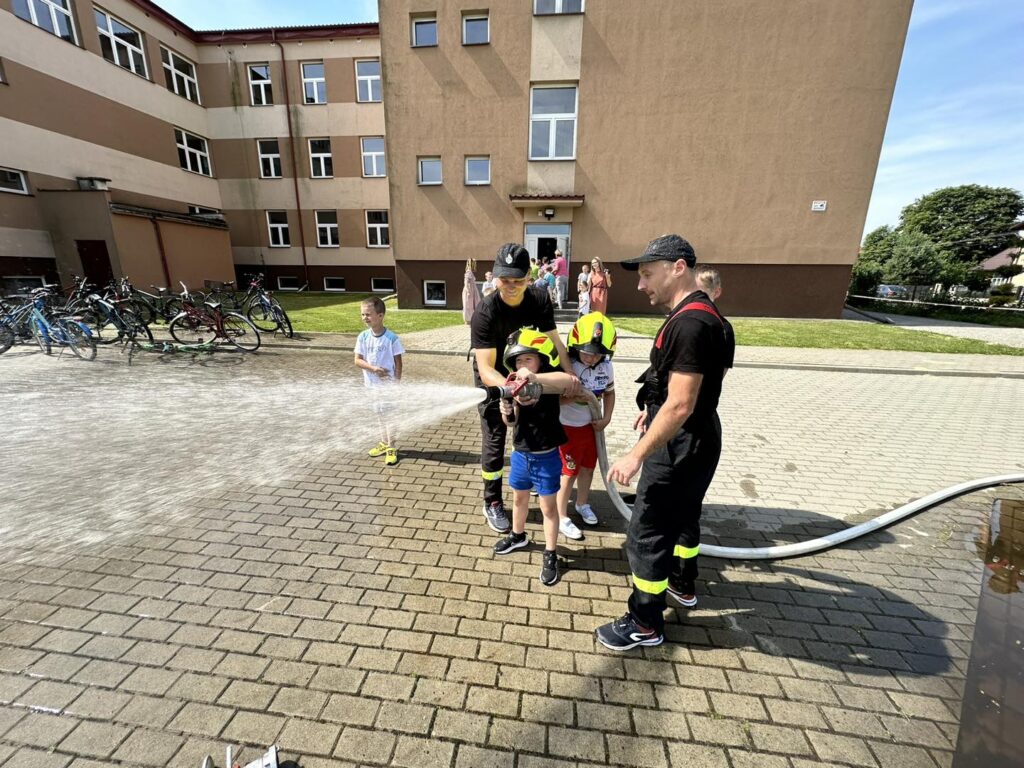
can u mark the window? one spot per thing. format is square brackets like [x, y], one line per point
[120, 44]
[314, 84]
[434, 294]
[478, 170]
[193, 154]
[287, 283]
[270, 158]
[547, 7]
[382, 284]
[180, 75]
[424, 31]
[52, 15]
[259, 85]
[429, 170]
[553, 123]
[327, 229]
[373, 156]
[199, 210]
[377, 229]
[476, 29]
[277, 225]
[13, 181]
[320, 163]
[368, 80]
[334, 283]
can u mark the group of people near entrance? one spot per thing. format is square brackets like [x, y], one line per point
[516, 343]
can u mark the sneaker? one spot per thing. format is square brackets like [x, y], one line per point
[549, 574]
[587, 514]
[625, 633]
[684, 594]
[511, 543]
[569, 529]
[496, 517]
[379, 450]
[391, 456]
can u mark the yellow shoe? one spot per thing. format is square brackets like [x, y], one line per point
[391, 456]
[380, 450]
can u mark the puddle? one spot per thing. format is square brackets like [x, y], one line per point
[993, 707]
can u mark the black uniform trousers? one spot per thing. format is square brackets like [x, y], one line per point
[667, 515]
[492, 450]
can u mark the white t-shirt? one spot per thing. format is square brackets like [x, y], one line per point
[597, 379]
[381, 352]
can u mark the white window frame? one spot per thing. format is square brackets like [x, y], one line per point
[378, 160]
[434, 302]
[271, 156]
[298, 283]
[315, 82]
[419, 171]
[335, 290]
[320, 159]
[379, 228]
[121, 47]
[172, 73]
[278, 231]
[265, 87]
[24, 182]
[55, 7]
[552, 120]
[375, 289]
[416, 21]
[369, 80]
[476, 17]
[193, 155]
[560, 8]
[201, 210]
[326, 229]
[478, 183]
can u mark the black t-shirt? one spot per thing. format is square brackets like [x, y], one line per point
[494, 320]
[730, 344]
[692, 341]
[538, 427]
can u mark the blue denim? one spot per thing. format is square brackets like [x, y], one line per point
[542, 471]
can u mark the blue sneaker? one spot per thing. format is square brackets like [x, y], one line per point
[625, 633]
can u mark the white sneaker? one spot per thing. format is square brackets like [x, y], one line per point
[587, 514]
[569, 529]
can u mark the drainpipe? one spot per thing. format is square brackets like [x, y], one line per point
[295, 165]
[163, 252]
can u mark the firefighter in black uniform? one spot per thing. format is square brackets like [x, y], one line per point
[514, 305]
[679, 447]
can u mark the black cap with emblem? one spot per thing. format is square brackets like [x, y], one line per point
[512, 261]
[664, 248]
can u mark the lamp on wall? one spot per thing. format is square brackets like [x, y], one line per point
[549, 213]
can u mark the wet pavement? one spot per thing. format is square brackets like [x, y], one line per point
[354, 614]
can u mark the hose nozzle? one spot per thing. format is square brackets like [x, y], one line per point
[513, 388]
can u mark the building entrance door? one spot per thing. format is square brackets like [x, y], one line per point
[542, 240]
[95, 261]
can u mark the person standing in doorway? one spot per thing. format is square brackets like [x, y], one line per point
[560, 268]
[514, 305]
[679, 447]
[600, 282]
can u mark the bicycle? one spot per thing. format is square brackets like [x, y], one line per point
[163, 305]
[63, 330]
[115, 317]
[197, 325]
[264, 311]
[167, 348]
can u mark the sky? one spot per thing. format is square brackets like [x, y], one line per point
[957, 114]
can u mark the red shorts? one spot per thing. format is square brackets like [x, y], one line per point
[580, 452]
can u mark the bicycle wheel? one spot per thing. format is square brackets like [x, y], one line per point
[78, 338]
[134, 327]
[283, 322]
[42, 335]
[171, 309]
[143, 309]
[6, 338]
[262, 317]
[186, 329]
[240, 332]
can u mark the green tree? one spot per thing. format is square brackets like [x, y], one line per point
[875, 251]
[963, 220]
[915, 260]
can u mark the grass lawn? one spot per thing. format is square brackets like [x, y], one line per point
[834, 334]
[339, 313]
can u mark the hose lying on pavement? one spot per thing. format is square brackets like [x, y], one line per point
[820, 544]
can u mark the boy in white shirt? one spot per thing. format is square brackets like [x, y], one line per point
[591, 344]
[379, 353]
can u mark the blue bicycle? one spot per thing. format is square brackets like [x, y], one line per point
[59, 330]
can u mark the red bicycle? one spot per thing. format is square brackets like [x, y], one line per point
[200, 324]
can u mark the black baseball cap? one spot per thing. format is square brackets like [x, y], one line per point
[664, 248]
[512, 261]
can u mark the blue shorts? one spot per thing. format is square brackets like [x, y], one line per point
[542, 471]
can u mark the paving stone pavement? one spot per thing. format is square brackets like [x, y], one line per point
[354, 614]
[993, 334]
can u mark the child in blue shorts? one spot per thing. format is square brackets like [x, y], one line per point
[536, 463]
